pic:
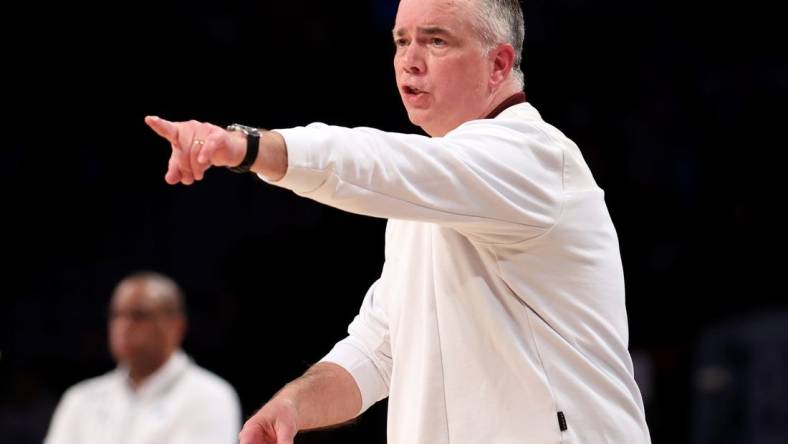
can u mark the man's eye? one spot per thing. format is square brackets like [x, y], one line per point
[400, 43]
[438, 42]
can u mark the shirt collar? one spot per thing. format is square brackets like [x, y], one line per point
[509, 102]
[163, 378]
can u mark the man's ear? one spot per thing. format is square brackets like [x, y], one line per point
[502, 58]
[180, 326]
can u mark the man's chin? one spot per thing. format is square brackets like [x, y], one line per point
[124, 352]
[423, 121]
[417, 116]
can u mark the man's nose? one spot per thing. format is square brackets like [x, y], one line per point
[413, 60]
[121, 323]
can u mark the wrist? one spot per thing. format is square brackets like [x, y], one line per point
[251, 147]
[238, 150]
[286, 400]
[272, 160]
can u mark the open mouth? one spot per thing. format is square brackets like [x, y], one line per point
[413, 91]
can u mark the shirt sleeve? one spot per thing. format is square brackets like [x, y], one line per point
[487, 178]
[366, 352]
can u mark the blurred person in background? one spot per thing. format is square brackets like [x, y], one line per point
[157, 394]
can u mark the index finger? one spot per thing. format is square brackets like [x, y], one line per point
[164, 128]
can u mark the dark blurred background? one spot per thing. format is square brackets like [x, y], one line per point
[679, 108]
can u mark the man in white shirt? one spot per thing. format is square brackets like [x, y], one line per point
[157, 394]
[499, 315]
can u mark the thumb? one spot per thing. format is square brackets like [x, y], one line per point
[164, 128]
[285, 434]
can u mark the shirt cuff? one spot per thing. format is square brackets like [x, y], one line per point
[304, 173]
[351, 357]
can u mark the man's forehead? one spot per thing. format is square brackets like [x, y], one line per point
[430, 16]
[137, 294]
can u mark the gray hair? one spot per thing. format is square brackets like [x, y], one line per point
[170, 295]
[501, 21]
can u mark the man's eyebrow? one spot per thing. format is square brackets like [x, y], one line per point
[433, 30]
[428, 30]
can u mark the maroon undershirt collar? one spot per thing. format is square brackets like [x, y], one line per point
[511, 101]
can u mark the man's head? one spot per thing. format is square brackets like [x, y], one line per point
[146, 322]
[456, 60]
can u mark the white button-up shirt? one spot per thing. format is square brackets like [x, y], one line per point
[179, 404]
[499, 316]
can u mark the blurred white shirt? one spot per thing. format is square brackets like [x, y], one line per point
[181, 403]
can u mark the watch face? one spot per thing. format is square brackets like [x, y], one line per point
[243, 128]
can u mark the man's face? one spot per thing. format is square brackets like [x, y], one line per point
[141, 332]
[441, 68]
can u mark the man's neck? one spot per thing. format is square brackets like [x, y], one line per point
[139, 374]
[503, 99]
[512, 100]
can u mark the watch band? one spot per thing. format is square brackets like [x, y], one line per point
[252, 147]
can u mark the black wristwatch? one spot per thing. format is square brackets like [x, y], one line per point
[252, 147]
